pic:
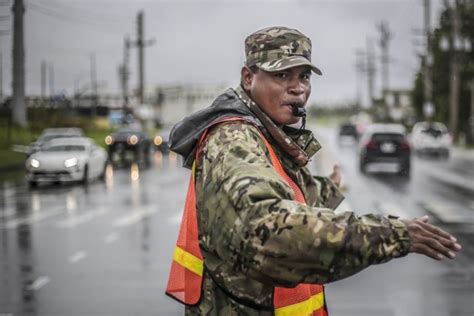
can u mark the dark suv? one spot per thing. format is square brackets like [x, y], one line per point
[128, 141]
[348, 130]
[385, 143]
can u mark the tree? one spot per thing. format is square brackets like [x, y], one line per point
[441, 68]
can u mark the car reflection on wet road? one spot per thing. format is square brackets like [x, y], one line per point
[105, 248]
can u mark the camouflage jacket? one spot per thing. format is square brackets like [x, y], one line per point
[254, 236]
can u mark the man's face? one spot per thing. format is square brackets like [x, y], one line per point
[276, 92]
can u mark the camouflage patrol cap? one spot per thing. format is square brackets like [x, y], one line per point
[277, 48]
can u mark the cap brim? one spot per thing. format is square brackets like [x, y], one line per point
[288, 62]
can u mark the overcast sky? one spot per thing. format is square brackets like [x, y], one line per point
[201, 42]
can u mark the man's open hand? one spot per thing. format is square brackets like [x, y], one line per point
[336, 175]
[430, 240]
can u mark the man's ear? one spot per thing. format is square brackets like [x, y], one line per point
[246, 76]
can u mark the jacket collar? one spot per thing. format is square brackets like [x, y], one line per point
[299, 144]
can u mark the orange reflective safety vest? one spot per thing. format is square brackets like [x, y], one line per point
[187, 268]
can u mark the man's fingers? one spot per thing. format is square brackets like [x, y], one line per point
[424, 219]
[439, 247]
[438, 231]
[336, 175]
[427, 251]
[431, 241]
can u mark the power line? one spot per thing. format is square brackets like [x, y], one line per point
[83, 11]
[73, 19]
[81, 17]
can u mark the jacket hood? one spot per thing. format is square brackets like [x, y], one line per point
[185, 135]
[298, 144]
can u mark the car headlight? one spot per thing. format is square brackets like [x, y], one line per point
[158, 140]
[132, 140]
[34, 163]
[109, 140]
[71, 162]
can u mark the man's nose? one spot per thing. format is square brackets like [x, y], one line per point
[296, 87]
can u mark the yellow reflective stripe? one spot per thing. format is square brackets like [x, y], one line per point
[193, 170]
[188, 261]
[304, 308]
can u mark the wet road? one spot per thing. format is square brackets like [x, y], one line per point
[413, 285]
[105, 248]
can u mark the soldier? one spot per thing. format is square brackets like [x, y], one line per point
[259, 234]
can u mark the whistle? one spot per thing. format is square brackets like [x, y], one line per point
[299, 111]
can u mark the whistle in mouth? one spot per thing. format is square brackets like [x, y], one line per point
[299, 111]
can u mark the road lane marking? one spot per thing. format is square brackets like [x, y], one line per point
[451, 178]
[78, 256]
[110, 238]
[76, 220]
[31, 219]
[135, 216]
[38, 283]
[448, 213]
[8, 212]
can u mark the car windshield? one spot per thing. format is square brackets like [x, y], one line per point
[434, 132]
[46, 138]
[65, 148]
[384, 137]
[348, 128]
[126, 133]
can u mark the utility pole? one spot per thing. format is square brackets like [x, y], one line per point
[141, 44]
[428, 106]
[454, 77]
[471, 118]
[124, 72]
[94, 92]
[1, 77]
[370, 70]
[360, 69]
[43, 80]
[385, 37]
[51, 80]
[18, 72]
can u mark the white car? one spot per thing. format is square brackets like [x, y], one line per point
[431, 138]
[66, 159]
[52, 133]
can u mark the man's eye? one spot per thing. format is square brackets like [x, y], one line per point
[306, 77]
[281, 75]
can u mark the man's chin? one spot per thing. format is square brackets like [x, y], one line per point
[296, 124]
[290, 121]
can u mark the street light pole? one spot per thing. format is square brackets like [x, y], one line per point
[454, 76]
[428, 107]
[471, 118]
[18, 76]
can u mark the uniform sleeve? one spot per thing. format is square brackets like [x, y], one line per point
[329, 194]
[254, 223]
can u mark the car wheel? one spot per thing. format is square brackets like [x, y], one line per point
[405, 169]
[148, 155]
[102, 174]
[363, 166]
[85, 177]
[33, 183]
[445, 154]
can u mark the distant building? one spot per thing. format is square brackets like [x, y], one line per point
[174, 102]
[165, 105]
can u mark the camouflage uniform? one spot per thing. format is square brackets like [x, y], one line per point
[253, 235]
